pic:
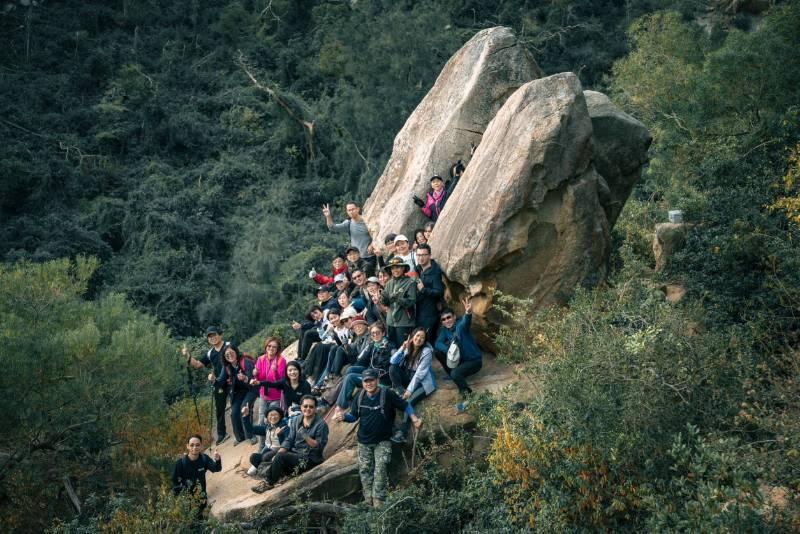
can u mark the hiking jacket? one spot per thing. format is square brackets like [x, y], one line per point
[321, 279]
[294, 441]
[434, 205]
[400, 295]
[230, 378]
[188, 474]
[271, 371]
[467, 344]
[376, 355]
[272, 434]
[429, 297]
[290, 394]
[423, 373]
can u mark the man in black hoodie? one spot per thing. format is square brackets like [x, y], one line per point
[189, 473]
[430, 291]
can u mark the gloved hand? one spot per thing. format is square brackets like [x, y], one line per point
[312, 273]
[418, 201]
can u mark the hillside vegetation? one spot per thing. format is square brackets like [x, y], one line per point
[160, 171]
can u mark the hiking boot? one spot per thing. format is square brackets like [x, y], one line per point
[222, 439]
[261, 487]
[398, 437]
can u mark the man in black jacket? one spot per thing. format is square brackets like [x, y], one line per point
[430, 291]
[189, 473]
[214, 358]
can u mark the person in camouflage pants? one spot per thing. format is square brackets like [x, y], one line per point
[373, 467]
[375, 407]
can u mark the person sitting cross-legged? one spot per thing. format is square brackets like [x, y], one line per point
[375, 407]
[301, 448]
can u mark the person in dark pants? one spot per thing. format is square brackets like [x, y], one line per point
[214, 359]
[430, 290]
[273, 430]
[302, 447]
[400, 295]
[375, 407]
[471, 356]
[237, 372]
[412, 375]
[310, 336]
[189, 473]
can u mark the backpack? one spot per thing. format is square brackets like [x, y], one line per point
[382, 402]
[453, 354]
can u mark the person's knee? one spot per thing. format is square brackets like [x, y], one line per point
[255, 459]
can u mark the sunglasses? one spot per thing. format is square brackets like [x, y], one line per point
[447, 317]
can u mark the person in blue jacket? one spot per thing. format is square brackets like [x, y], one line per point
[459, 331]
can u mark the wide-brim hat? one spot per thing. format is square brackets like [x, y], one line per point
[396, 262]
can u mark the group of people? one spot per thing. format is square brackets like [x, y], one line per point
[365, 353]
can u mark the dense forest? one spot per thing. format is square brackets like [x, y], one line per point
[163, 165]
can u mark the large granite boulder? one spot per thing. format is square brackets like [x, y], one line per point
[470, 90]
[620, 151]
[526, 218]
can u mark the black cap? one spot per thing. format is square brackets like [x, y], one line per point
[275, 407]
[335, 309]
[436, 177]
[348, 249]
[324, 287]
[389, 238]
[213, 330]
[369, 373]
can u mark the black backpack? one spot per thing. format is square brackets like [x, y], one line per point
[382, 402]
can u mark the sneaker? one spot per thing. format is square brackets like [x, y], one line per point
[252, 471]
[222, 439]
[261, 487]
[253, 440]
[461, 406]
[398, 437]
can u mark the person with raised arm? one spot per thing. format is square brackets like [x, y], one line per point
[355, 227]
[375, 408]
[214, 359]
[189, 473]
[458, 332]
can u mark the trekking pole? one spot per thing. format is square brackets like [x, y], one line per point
[192, 392]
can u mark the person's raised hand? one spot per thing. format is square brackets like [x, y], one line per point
[217, 457]
[312, 273]
[467, 302]
[326, 210]
[406, 395]
[296, 325]
[370, 249]
[338, 417]
[211, 377]
[242, 377]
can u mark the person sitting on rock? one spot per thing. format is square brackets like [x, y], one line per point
[356, 263]
[347, 353]
[294, 386]
[189, 473]
[403, 251]
[382, 256]
[375, 408]
[459, 332]
[302, 446]
[376, 355]
[272, 430]
[456, 170]
[435, 199]
[318, 357]
[237, 372]
[400, 295]
[430, 290]
[313, 319]
[429, 231]
[374, 310]
[419, 238]
[338, 266]
[412, 375]
[311, 335]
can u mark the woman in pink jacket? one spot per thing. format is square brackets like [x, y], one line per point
[434, 201]
[270, 367]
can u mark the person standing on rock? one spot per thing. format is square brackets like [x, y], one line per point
[400, 295]
[301, 448]
[214, 358]
[459, 332]
[354, 226]
[430, 290]
[375, 407]
[189, 473]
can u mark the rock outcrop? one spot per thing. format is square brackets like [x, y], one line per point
[526, 218]
[668, 239]
[620, 151]
[470, 90]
